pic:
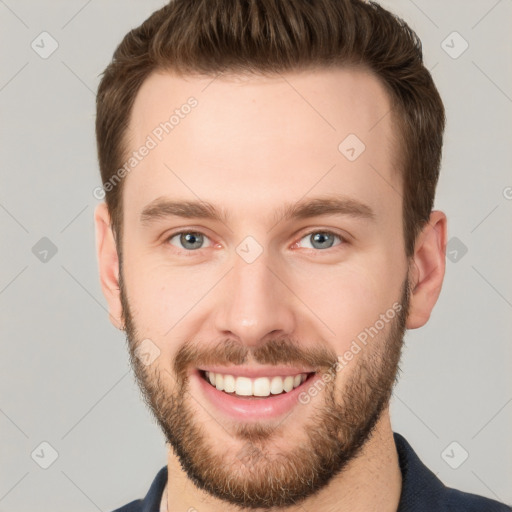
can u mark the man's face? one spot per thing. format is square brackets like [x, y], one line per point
[259, 288]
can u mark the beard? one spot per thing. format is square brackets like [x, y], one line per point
[260, 474]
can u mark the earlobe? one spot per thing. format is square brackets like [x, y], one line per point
[108, 264]
[427, 272]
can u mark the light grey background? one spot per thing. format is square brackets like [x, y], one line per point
[64, 370]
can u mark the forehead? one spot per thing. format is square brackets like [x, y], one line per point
[234, 139]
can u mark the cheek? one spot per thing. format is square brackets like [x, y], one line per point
[349, 299]
[161, 296]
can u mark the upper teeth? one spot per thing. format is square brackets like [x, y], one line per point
[262, 386]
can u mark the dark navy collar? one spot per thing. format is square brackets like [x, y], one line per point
[421, 489]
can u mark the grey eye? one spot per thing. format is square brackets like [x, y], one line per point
[190, 240]
[321, 239]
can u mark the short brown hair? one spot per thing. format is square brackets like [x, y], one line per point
[270, 37]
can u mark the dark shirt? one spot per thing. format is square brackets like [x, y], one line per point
[422, 491]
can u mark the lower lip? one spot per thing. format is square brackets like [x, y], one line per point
[253, 408]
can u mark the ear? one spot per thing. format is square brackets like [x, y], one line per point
[428, 266]
[108, 263]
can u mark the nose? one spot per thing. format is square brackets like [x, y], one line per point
[255, 303]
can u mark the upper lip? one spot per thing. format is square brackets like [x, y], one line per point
[256, 371]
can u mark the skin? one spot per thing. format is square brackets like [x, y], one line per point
[251, 145]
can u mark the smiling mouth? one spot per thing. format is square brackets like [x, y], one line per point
[255, 388]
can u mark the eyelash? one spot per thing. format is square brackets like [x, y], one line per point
[343, 240]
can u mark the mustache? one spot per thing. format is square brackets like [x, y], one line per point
[280, 351]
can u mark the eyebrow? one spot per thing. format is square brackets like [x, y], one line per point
[162, 207]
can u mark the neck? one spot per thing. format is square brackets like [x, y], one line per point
[371, 481]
